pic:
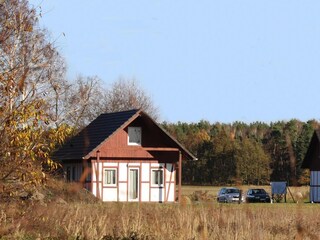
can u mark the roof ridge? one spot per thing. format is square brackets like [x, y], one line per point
[131, 110]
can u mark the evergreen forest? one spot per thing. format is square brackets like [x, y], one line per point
[241, 153]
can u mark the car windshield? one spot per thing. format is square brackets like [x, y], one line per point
[258, 191]
[232, 190]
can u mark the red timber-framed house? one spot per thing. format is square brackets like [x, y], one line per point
[125, 156]
[312, 162]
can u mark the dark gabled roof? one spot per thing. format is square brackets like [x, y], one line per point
[315, 140]
[93, 135]
[101, 129]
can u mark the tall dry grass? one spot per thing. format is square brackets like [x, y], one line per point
[69, 213]
[160, 221]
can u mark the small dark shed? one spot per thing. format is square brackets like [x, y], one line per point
[312, 162]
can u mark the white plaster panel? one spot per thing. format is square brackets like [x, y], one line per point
[170, 196]
[94, 170]
[145, 172]
[145, 192]
[94, 189]
[109, 194]
[122, 192]
[155, 165]
[157, 194]
[169, 173]
[94, 167]
[123, 171]
[110, 164]
[133, 164]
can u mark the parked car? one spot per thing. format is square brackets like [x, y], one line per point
[257, 195]
[228, 195]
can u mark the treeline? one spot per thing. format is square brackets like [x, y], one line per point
[241, 153]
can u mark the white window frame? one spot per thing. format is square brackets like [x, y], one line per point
[153, 171]
[130, 129]
[105, 183]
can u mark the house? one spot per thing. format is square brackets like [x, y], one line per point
[125, 156]
[312, 162]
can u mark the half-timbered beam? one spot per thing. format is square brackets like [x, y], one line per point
[180, 176]
[155, 149]
[97, 174]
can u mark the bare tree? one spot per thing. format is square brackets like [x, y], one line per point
[79, 102]
[83, 101]
[127, 94]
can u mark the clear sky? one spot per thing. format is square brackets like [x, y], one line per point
[218, 60]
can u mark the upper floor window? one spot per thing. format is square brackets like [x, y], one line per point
[134, 136]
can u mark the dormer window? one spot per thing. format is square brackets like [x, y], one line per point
[134, 136]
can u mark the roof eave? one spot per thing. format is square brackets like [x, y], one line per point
[190, 156]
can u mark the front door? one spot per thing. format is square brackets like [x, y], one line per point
[133, 184]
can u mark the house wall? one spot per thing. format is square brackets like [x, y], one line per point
[117, 147]
[72, 171]
[115, 153]
[147, 192]
[116, 163]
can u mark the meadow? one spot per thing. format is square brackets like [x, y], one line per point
[203, 219]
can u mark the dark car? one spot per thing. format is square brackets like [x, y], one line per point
[257, 195]
[228, 195]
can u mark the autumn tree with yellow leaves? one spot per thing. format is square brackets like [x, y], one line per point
[30, 71]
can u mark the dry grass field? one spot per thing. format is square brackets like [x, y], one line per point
[190, 220]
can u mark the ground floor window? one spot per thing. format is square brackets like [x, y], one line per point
[110, 177]
[157, 177]
[71, 173]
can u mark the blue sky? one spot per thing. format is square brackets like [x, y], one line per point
[218, 60]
